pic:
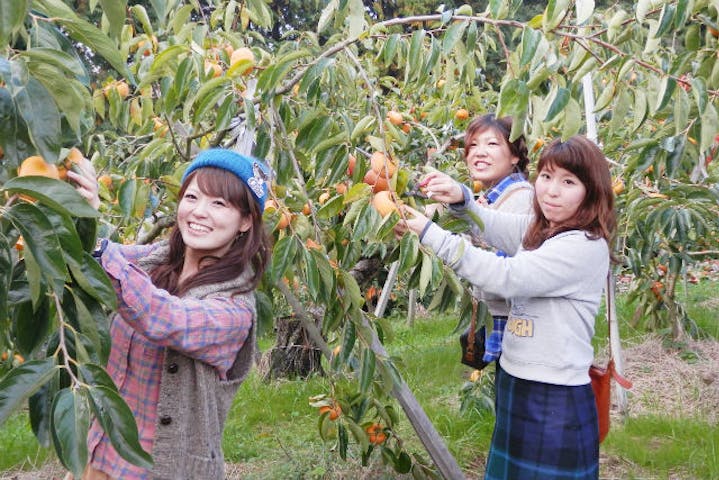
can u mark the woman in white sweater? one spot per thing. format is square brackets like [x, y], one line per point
[546, 424]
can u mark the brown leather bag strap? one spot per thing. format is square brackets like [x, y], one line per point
[472, 329]
[621, 380]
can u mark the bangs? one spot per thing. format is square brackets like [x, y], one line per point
[564, 155]
[217, 182]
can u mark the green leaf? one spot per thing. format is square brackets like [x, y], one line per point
[357, 432]
[572, 119]
[141, 15]
[114, 11]
[312, 275]
[70, 426]
[326, 272]
[40, 239]
[554, 13]
[666, 92]
[414, 59]
[21, 382]
[367, 370]
[72, 97]
[273, 75]
[642, 8]
[96, 376]
[70, 65]
[362, 126]
[513, 100]
[126, 196]
[390, 48]
[403, 463]
[710, 127]
[584, 9]
[425, 273]
[342, 441]
[39, 111]
[40, 410]
[326, 16]
[12, 16]
[560, 101]
[6, 267]
[259, 13]
[408, 252]
[84, 32]
[31, 325]
[283, 255]
[314, 131]
[530, 41]
[58, 195]
[118, 422]
[666, 20]
[351, 291]
[640, 109]
[453, 34]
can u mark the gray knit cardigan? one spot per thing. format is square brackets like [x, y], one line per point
[194, 402]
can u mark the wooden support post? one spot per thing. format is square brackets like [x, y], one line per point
[615, 344]
[386, 290]
[412, 307]
[428, 435]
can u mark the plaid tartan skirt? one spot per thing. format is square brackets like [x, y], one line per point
[543, 431]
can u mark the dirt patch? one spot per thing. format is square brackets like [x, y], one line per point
[677, 383]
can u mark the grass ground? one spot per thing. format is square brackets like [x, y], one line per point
[670, 431]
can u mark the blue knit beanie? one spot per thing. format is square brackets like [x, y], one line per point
[253, 172]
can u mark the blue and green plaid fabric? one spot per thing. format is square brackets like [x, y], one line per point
[543, 431]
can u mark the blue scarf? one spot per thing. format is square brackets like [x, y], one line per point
[493, 194]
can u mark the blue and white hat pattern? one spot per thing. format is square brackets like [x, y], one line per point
[252, 171]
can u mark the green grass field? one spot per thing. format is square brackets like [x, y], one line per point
[272, 431]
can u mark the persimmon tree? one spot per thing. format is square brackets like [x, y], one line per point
[161, 84]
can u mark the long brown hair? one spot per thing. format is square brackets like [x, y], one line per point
[249, 250]
[503, 126]
[595, 215]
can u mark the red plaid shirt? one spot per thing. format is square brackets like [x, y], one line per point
[211, 330]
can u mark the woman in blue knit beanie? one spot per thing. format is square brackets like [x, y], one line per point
[183, 336]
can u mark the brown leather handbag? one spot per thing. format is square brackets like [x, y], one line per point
[602, 385]
[601, 380]
[472, 342]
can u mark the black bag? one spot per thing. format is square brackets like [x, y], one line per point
[472, 342]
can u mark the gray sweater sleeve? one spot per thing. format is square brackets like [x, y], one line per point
[501, 230]
[561, 267]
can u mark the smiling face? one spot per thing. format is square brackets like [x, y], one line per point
[559, 194]
[488, 157]
[208, 224]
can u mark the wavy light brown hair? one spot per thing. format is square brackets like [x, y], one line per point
[250, 250]
[595, 215]
[503, 126]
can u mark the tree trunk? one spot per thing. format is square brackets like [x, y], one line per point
[294, 355]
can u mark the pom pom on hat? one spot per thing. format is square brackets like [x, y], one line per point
[253, 172]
